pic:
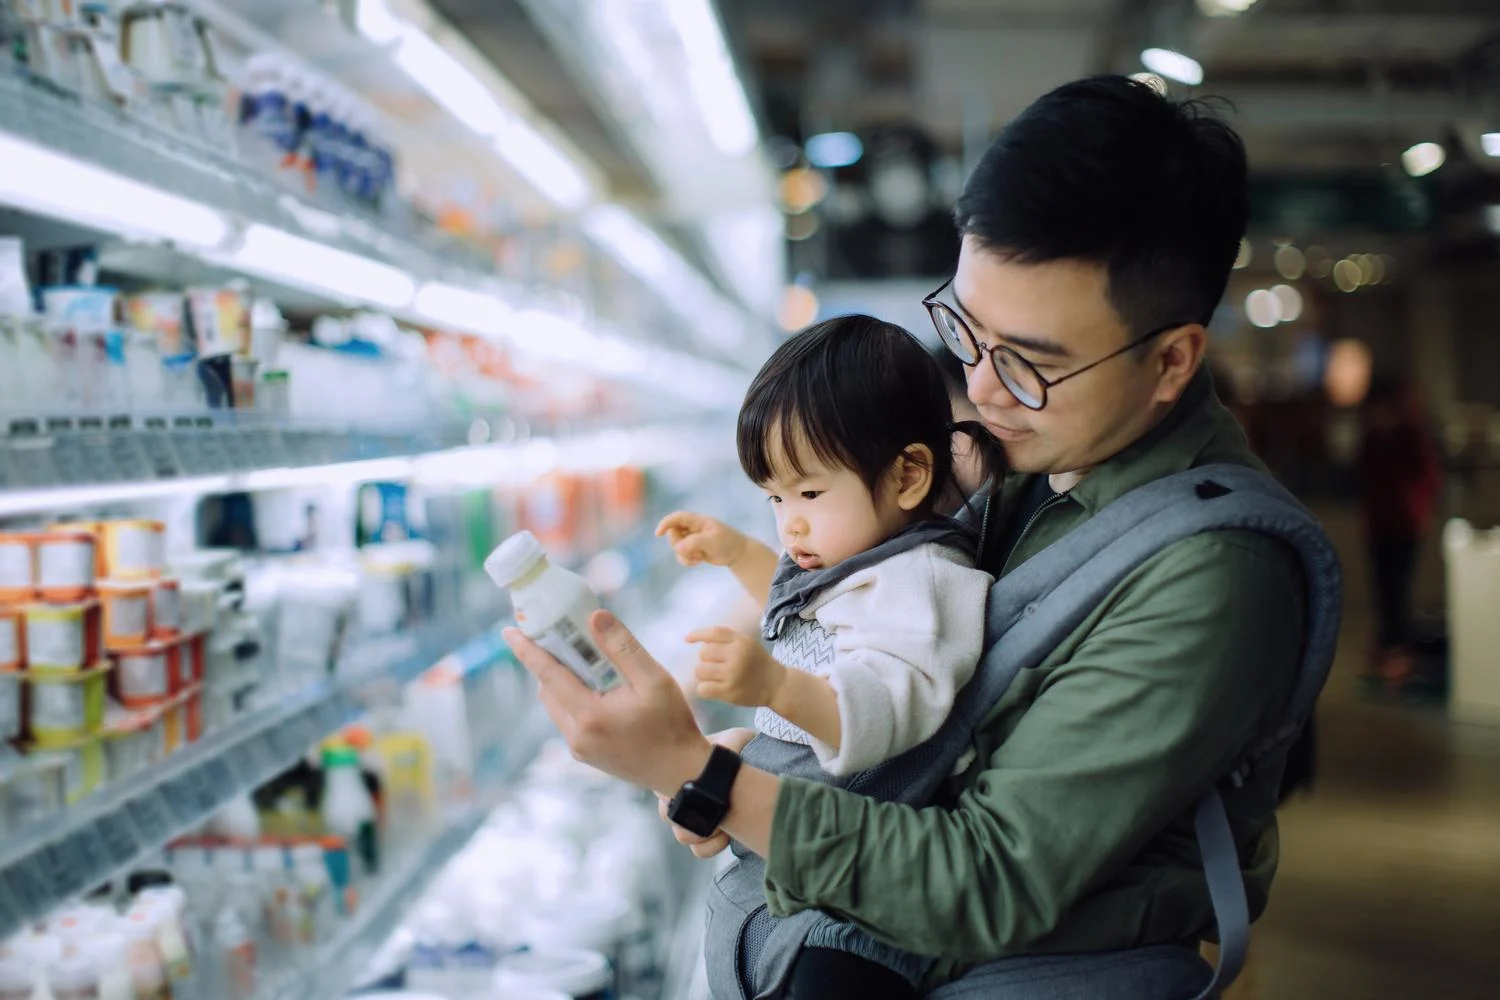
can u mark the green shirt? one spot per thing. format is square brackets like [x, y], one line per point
[1073, 831]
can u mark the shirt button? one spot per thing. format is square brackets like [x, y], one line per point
[1029, 610]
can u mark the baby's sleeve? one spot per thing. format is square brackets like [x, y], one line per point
[908, 633]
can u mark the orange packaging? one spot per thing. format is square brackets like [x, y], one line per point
[65, 563]
[192, 651]
[166, 608]
[17, 567]
[93, 528]
[134, 549]
[147, 675]
[127, 613]
[12, 639]
[192, 712]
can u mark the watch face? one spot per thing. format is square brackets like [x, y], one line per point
[696, 811]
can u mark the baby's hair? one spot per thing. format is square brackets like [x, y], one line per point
[855, 391]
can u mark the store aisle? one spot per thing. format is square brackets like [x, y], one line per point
[1390, 879]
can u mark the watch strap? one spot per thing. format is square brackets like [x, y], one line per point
[719, 773]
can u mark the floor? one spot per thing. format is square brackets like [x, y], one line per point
[1390, 878]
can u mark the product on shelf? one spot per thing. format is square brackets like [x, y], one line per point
[61, 707]
[63, 636]
[65, 565]
[128, 621]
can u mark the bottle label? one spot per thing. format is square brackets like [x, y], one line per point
[576, 651]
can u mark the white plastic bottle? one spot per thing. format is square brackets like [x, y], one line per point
[235, 946]
[74, 977]
[552, 607]
[348, 811]
[315, 904]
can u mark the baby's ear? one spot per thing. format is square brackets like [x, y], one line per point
[913, 470]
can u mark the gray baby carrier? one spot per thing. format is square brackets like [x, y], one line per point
[1031, 611]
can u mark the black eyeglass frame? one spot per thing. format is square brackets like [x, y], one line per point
[930, 301]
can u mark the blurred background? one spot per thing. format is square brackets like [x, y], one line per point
[306, 304]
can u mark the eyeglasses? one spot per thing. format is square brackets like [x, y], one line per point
[1019, 375]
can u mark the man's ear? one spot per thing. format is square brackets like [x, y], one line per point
[1177, 357]
[913, 474]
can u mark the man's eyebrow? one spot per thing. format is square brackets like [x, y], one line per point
[1037, 345]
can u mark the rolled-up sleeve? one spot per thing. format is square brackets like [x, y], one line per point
[1156, 702]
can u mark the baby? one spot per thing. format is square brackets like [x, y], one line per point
[875, 609]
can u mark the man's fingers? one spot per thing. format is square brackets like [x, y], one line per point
[562, 684]
[625, 651]
[714, 633]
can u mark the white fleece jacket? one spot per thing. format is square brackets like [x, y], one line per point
[907, 635]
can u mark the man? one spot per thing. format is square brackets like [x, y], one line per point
[1098, 234]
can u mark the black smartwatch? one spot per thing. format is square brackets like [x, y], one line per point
[700, 806]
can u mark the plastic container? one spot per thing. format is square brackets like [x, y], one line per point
[166, 608]
[133, 549]
[62, 707]
[234, 947]
[579, 922]
[582, 975]
[132, 743]
[316, 914]
[74, 977]
[552, 607]
[199, 605]
[12, 639]
[127, 613]
[84, 768]
[93, 528]
[65, 565]
[17, 567]
[347, 810]
[34, 788]
[146, 674]
[62, 636]
[17, 977]
[148, 970]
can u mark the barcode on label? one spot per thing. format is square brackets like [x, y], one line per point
[579, 654]
[585, 649]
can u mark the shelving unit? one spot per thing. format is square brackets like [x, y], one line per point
[53, 861]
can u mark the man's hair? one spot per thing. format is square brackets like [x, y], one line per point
[853, 392]
[1107, 170]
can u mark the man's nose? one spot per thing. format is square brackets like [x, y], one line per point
[985, 389]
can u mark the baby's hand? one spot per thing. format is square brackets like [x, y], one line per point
[697, 539]
[734, 668]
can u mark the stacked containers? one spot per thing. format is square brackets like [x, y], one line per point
[159, 665]
[86, 614]
[51, 651]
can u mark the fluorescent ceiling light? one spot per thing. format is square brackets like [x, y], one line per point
[293, 260]
[1224, 8]
[1423, 158]
[463, 309]
[629, 240]
[374, 20]
[1490, 143]
[542, 164]
[834, 149]
[712, 79]
[449, 83]
[1173, 66]
[38, 180]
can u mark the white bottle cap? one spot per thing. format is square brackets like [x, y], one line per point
[307, 855]
[514, 558]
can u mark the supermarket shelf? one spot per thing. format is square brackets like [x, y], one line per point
[53, 861]
[147, 153]
[336, 966]
[47, 465]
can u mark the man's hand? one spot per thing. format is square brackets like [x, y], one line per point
[642, 731]
[697, 539]
[734, 668]
[714, 843]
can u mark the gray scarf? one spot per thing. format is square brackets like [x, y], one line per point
[793, 587]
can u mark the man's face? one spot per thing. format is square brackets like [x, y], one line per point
[1057, 316]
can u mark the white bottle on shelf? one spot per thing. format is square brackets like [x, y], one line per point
[74, 977]
[17, 977]
[552, 607]
[235, 947]
[348, 811]
[315, 902]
